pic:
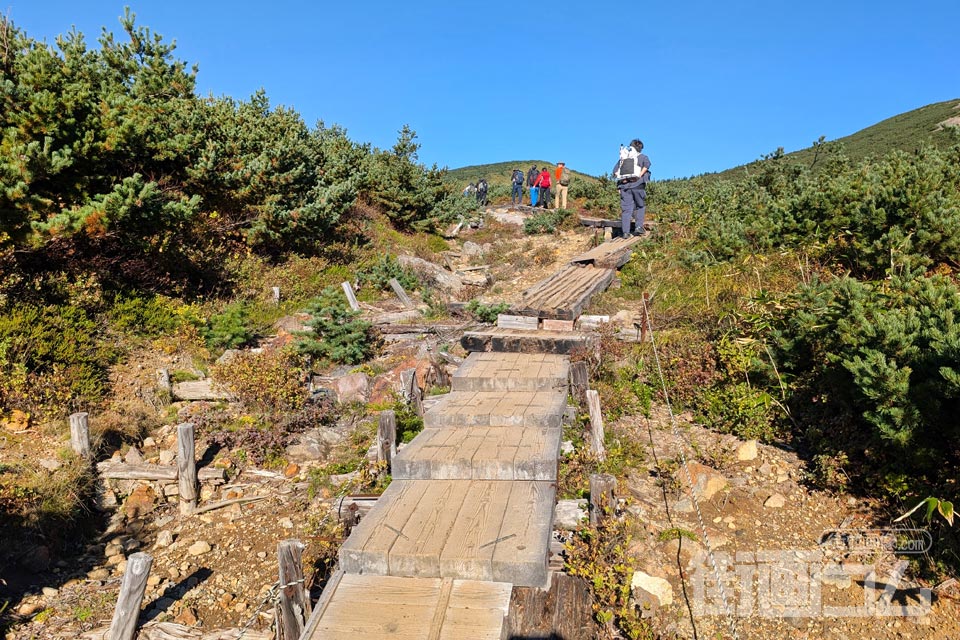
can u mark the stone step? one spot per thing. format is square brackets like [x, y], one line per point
[497, 409]
[491, 530]
[368, 606]
[480, 453]
[512, 372]
[518, 341]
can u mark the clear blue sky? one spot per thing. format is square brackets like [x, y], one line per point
[705, 85]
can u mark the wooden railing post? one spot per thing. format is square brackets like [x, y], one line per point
[387, 437]
[596, 425]
[351, 296]
[579, 380]
[124, 624]
[412, 391]
[186, 468]
[293, 606]
[80, 434]
[603, 492]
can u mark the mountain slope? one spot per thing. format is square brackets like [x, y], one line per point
[499, 172]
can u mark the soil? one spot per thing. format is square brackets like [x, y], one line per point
[215, 570]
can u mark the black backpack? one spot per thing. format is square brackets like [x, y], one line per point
[517, 176]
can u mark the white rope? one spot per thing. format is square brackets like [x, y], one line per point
[683, 459]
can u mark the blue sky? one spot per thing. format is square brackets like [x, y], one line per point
[706, 86]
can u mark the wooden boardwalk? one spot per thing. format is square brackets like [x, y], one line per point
[468, 515]
[611, 254]
[564, 295]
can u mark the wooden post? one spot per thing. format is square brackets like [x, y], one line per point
[644, 317]
[411, 390]
[275, 294]
[387, 437]
[398, 289]
[186, 468]
[134, 583]
[80, 434]
[579, 380]
[351, 297]
[603, 495]
[293, 606]
[163, 380]
[596, 425]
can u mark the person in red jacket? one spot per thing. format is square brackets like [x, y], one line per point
[543, 183]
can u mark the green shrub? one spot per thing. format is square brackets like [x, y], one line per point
[486, 312]
[271, 382]
[546, 221]
[740, 409]
[150, 317]
[229, 329]
[339, 335]
[385, 269]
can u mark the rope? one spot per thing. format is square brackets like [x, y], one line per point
[683, 459]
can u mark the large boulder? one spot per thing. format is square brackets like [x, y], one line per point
[707, 482]
[433, 274]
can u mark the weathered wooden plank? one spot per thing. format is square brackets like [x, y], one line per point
[506, 321]
[610, 255]
[124, 471]
[564, 611]
[80, 434]
[351, 296]
[563, 295]
[520, 554]
[416, 553]
[366, 549]
[596, 425]
[556, 325]
[293, 603]
[132, 588]
[468, 552]
[186, 468]
[496, 408]
[603, 489]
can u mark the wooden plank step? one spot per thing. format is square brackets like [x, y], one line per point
[493, 371]
[356, 607]
[515, 341]
[498, 409]
[611, 254]
[564, 294]
[465, 529]
[480, 453]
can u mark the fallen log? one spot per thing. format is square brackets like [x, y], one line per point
[124, 471]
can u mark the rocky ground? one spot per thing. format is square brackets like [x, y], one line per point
[215, 569]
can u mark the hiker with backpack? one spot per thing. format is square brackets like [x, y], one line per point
[543, 183]
[516, 192]
[632, 172]
[482, 192]
[532, 176]
[562, 182]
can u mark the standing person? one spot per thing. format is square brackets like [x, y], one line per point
[516, 192]
[632, 172]
[482, 192]
[543, 182]
[562, 182]
[532, 176]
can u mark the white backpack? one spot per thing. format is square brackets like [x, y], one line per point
[629, 165]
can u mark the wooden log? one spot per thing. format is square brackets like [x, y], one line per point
[398, 289]
[603, 495]
[293, 606]
[387, 437]
[596, 425]
[351, 296]
[579, 380]
[132, 588]
[186, 468]
[80, 434]
[507, 321]
[411, 390]
[564, 611]
[124, 471]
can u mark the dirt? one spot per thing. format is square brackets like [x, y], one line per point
[229, 584]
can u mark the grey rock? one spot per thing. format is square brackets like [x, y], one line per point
[569, 514]
[49, 464]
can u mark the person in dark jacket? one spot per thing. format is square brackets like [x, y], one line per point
[633, 192]
[482, 192]
[516, 191]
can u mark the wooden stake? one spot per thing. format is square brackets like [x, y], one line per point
[579, 380]
[411, 390]
[398, 289]
[645, 317]
[603, 490]
[293, 607]
[186, 468]
[351, 297]
[387, 437]
[80, 434]
[596, 425]
[134, 583]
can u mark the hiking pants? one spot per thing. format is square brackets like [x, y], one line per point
[534, 194]
[545, 197]
[516, 194]
[561, 200]
[633, 204]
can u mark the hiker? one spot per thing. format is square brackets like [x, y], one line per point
[532, 176]
[561, 181]
[543, 182]
[482, 192]
[632, 172]
[516, 191]
[469, 189]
